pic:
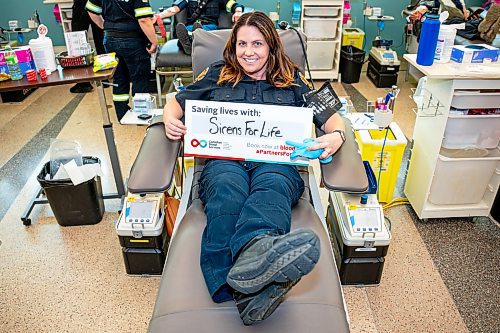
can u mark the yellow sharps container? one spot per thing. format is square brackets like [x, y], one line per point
[370, 143]
[353, 36]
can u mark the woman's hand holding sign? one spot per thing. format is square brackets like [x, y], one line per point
[174, 127]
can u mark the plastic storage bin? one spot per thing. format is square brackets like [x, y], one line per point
[351, 62]
[353, 36]
[475, 99]
[321, 28]
[322, 11]
[321, 54]
[74, 205]
[481, 131]
[370, 143]
[461, 181]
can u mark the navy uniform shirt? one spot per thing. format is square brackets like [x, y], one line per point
[121, 15]
[210, 13]
[247, 90]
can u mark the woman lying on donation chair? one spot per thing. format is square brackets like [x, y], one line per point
[248, 252]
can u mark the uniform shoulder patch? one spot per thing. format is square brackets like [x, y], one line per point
[303, 79]
[202, 75]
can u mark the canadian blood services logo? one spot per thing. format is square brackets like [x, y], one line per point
[202, 143]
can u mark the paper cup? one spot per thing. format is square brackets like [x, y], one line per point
[31, 75]
[43, 73]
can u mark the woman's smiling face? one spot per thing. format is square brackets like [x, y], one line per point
[252, 52]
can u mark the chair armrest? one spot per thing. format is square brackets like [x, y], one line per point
[346, 172]
[167, 21]
[154, 166]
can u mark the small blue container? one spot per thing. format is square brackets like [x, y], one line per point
[428, 39]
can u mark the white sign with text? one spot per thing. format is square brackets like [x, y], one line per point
[246, 132]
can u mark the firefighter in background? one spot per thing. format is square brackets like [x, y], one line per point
[80, 21]
[201, 14]
[128, 31]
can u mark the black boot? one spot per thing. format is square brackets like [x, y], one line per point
[184, 38]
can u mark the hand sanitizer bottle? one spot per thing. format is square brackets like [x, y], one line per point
[178, 84]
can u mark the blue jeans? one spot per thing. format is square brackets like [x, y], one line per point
[134, 66]
[207, 27]
[242, 200]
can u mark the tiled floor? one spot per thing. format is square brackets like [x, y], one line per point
[56, 279]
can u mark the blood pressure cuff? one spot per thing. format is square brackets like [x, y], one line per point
[324, 102]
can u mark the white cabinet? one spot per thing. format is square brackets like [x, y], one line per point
[66, 15]
[321, 21]
[66, 10]
[65, 7]
[454, 167]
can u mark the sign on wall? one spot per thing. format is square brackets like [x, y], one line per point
[246, 132]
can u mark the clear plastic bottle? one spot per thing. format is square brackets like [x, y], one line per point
[13, 64]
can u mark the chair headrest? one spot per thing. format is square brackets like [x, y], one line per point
[209, 45]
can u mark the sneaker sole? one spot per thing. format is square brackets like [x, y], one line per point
[183, 36]
[292, 257]
[264, 304]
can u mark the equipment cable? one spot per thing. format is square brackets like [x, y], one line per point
[284, 25]
[381, 160]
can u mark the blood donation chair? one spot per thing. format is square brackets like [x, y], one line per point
[183, 304]
[171, 60]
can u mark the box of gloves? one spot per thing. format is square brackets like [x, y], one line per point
[475, 54]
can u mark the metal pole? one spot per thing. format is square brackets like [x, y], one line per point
[158, 89]
[110, 140]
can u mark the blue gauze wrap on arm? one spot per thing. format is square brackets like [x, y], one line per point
[301, 150]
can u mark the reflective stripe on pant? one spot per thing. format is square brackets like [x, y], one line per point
[134, 66]
[242, 200]
[121, 98]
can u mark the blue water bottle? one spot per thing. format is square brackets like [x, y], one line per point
[428, 39]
